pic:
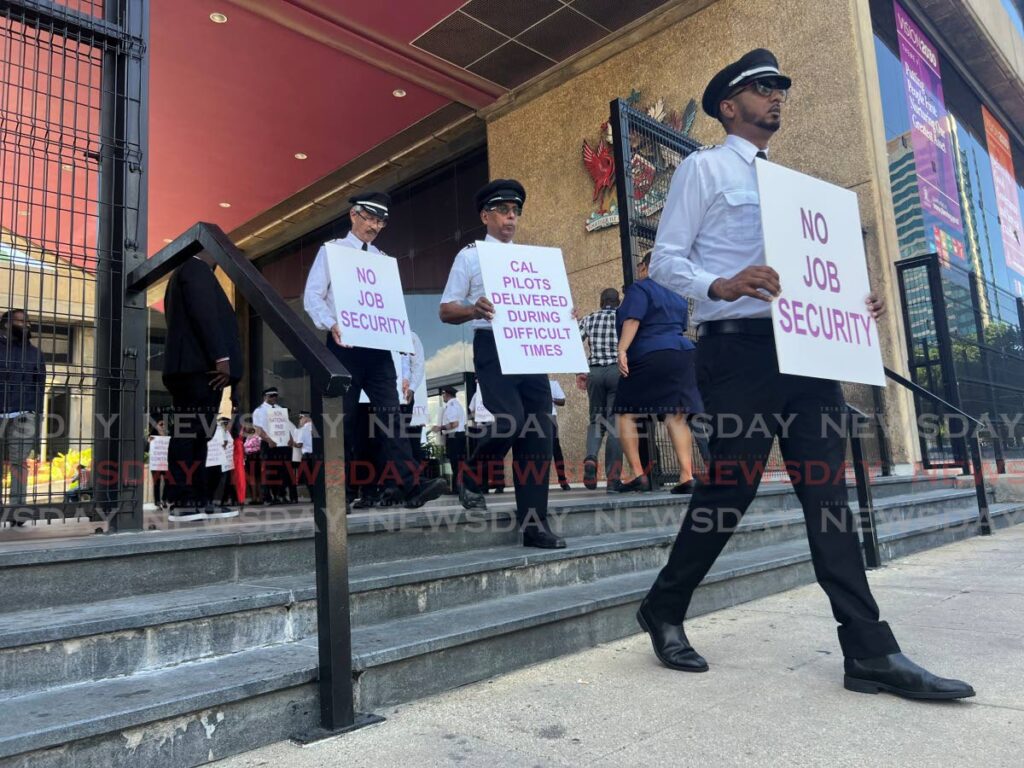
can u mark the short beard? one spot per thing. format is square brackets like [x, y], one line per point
[764, 125]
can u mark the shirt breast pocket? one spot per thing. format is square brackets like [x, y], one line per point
[742, 215]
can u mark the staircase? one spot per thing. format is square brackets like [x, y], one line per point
[177, 648]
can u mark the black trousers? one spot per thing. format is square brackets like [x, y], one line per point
[373, 371]
[494, 478]
[556, 452]
[277, 479]
[456, 449]
[521, 404]
[194, 422]
[738, 375]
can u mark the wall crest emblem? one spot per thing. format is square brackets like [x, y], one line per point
[645, 166]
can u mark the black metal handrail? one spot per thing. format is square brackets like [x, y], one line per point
[974, 443]
[328, 380]
[328, 376]
[865, 504]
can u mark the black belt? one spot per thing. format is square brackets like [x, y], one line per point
[754, 326]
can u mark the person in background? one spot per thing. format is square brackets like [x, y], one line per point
[218, 450]
[601, 383]
[414, 413]
[274, 428]
[202, 356]
[80, 483]
[557, 400]
[518, 401]
[656, 362]
[372, 370]
[159, 476]
[453, 429]
[307, 465]
[252, 445]
[483, 423]
[22, 382]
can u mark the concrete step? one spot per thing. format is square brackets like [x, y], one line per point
[191, 713]
[110, 638]
[76, 571]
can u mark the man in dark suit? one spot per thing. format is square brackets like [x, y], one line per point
[203, 355]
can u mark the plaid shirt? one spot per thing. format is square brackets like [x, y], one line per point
[599, 327]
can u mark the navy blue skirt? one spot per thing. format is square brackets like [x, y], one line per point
[660, 382]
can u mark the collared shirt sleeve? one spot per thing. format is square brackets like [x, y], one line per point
[672, 262]
[406, 368]
[585, 327]
[417, 365]
[458, 285]
[259, 418]
[315, 298]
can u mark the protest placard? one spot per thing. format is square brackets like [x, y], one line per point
[368, 299]
[812, 238]
[533, 325]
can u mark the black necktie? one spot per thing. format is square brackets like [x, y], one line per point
[762, 154]
[366, 246]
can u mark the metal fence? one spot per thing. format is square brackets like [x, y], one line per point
[965, 344]
[72, 122]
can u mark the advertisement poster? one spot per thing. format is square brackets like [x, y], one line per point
[929, 135]
[1007, 196]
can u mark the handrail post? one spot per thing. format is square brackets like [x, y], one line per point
[866, 507]
[333, 609]
[984, 521]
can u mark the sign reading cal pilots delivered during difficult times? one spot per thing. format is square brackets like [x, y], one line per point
[812, 238]
[533, 325]
[368, 299]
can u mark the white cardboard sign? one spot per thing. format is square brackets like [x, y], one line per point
[812, 238]
[533, 325]
[158, 453]
[368, 299]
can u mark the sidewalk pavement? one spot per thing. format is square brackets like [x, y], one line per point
[773, 697]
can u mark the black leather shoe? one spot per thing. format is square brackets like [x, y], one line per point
[391, 497]
[472, 499]
[590, 473]
[670, 643]
[897, 674]
[428, 491]
[542, 539]
[684, 488]
[639, 484]
[565, 486]
[363, 502]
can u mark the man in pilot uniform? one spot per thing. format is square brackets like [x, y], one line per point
[521, 403]
[372, 370]
[709, 248]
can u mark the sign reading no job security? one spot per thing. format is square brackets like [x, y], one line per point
[812, 238]
[368, 299]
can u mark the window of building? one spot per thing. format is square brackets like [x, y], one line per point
[957, 178]
[54, 341]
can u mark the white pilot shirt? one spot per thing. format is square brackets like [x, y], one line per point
[317, 299]
[557, 393]
[453, 412]
[465, 283]
[711, 228]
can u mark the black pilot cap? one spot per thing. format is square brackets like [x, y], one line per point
[758, 64]
[500, 191]
[376, 203]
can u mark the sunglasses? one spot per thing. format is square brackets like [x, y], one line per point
[766, 88]
[505, 210]
[371, 219]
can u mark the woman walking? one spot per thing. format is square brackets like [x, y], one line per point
[657, 365]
